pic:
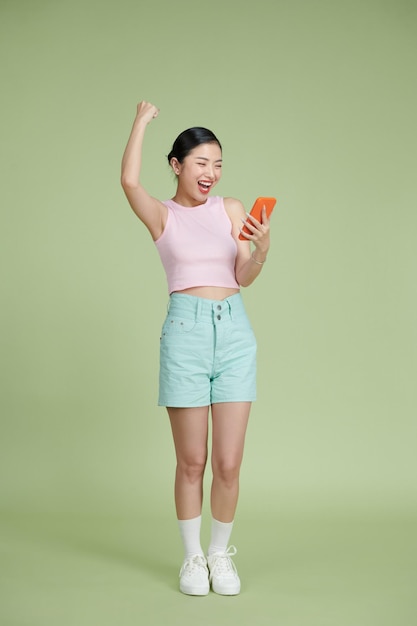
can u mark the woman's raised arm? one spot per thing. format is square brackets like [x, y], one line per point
[151, 212]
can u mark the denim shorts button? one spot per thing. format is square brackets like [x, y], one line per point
[219, 317]
[219, 308]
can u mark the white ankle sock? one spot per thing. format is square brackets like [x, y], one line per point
[220, 535]
[190, 535]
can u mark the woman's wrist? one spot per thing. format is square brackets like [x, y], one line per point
[140, 124]
[258, 257]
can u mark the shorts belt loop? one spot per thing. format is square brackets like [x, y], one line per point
[198, 309]
[230, 310]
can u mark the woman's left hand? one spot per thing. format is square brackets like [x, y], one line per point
[259, 231]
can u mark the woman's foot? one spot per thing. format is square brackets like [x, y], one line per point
[194, 576]
[223, 574]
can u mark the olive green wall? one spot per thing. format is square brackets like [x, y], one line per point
[315, 103]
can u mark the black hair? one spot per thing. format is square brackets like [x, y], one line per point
[188, 140]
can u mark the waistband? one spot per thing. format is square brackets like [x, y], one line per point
[202, 309]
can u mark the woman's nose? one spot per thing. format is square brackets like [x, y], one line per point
[210, 171]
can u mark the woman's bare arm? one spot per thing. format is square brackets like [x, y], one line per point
[151, 212]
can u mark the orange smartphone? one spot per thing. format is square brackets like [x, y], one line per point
[256, 212]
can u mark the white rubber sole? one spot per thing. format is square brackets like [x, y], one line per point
[194, 591]
[233, 590]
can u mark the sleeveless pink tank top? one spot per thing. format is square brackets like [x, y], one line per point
[197, 248]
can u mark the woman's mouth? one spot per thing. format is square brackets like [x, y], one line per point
[204, 186]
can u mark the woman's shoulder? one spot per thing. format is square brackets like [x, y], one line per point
[233, 206]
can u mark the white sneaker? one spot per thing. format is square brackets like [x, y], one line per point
[223, 574]
[194, 576]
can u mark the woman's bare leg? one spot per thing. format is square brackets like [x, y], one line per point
[190, 432]
[230, 420]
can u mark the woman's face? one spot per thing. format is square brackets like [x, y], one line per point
[198, 173]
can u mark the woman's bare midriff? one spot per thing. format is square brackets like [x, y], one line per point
[211, 293]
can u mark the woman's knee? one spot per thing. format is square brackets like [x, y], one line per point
[226, 471]
[192, 469]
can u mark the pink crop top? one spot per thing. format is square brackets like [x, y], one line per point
[197, 248]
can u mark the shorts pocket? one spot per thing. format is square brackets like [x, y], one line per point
[174, 325]
[242, 336]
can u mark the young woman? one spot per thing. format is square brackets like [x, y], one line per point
[208, 350]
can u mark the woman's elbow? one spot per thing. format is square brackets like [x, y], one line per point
[244, 282]
[127, 182]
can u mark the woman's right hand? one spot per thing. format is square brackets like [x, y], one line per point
[146, 111]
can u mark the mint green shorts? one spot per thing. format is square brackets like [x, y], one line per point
[207, 353]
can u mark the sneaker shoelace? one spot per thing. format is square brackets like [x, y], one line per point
[193, 565]
[223, 564]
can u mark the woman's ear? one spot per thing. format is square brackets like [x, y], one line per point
[176, 165]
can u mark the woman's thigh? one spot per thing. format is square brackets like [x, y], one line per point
[230, 420]
[190, 432]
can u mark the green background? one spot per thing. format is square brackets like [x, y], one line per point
[314, 103]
